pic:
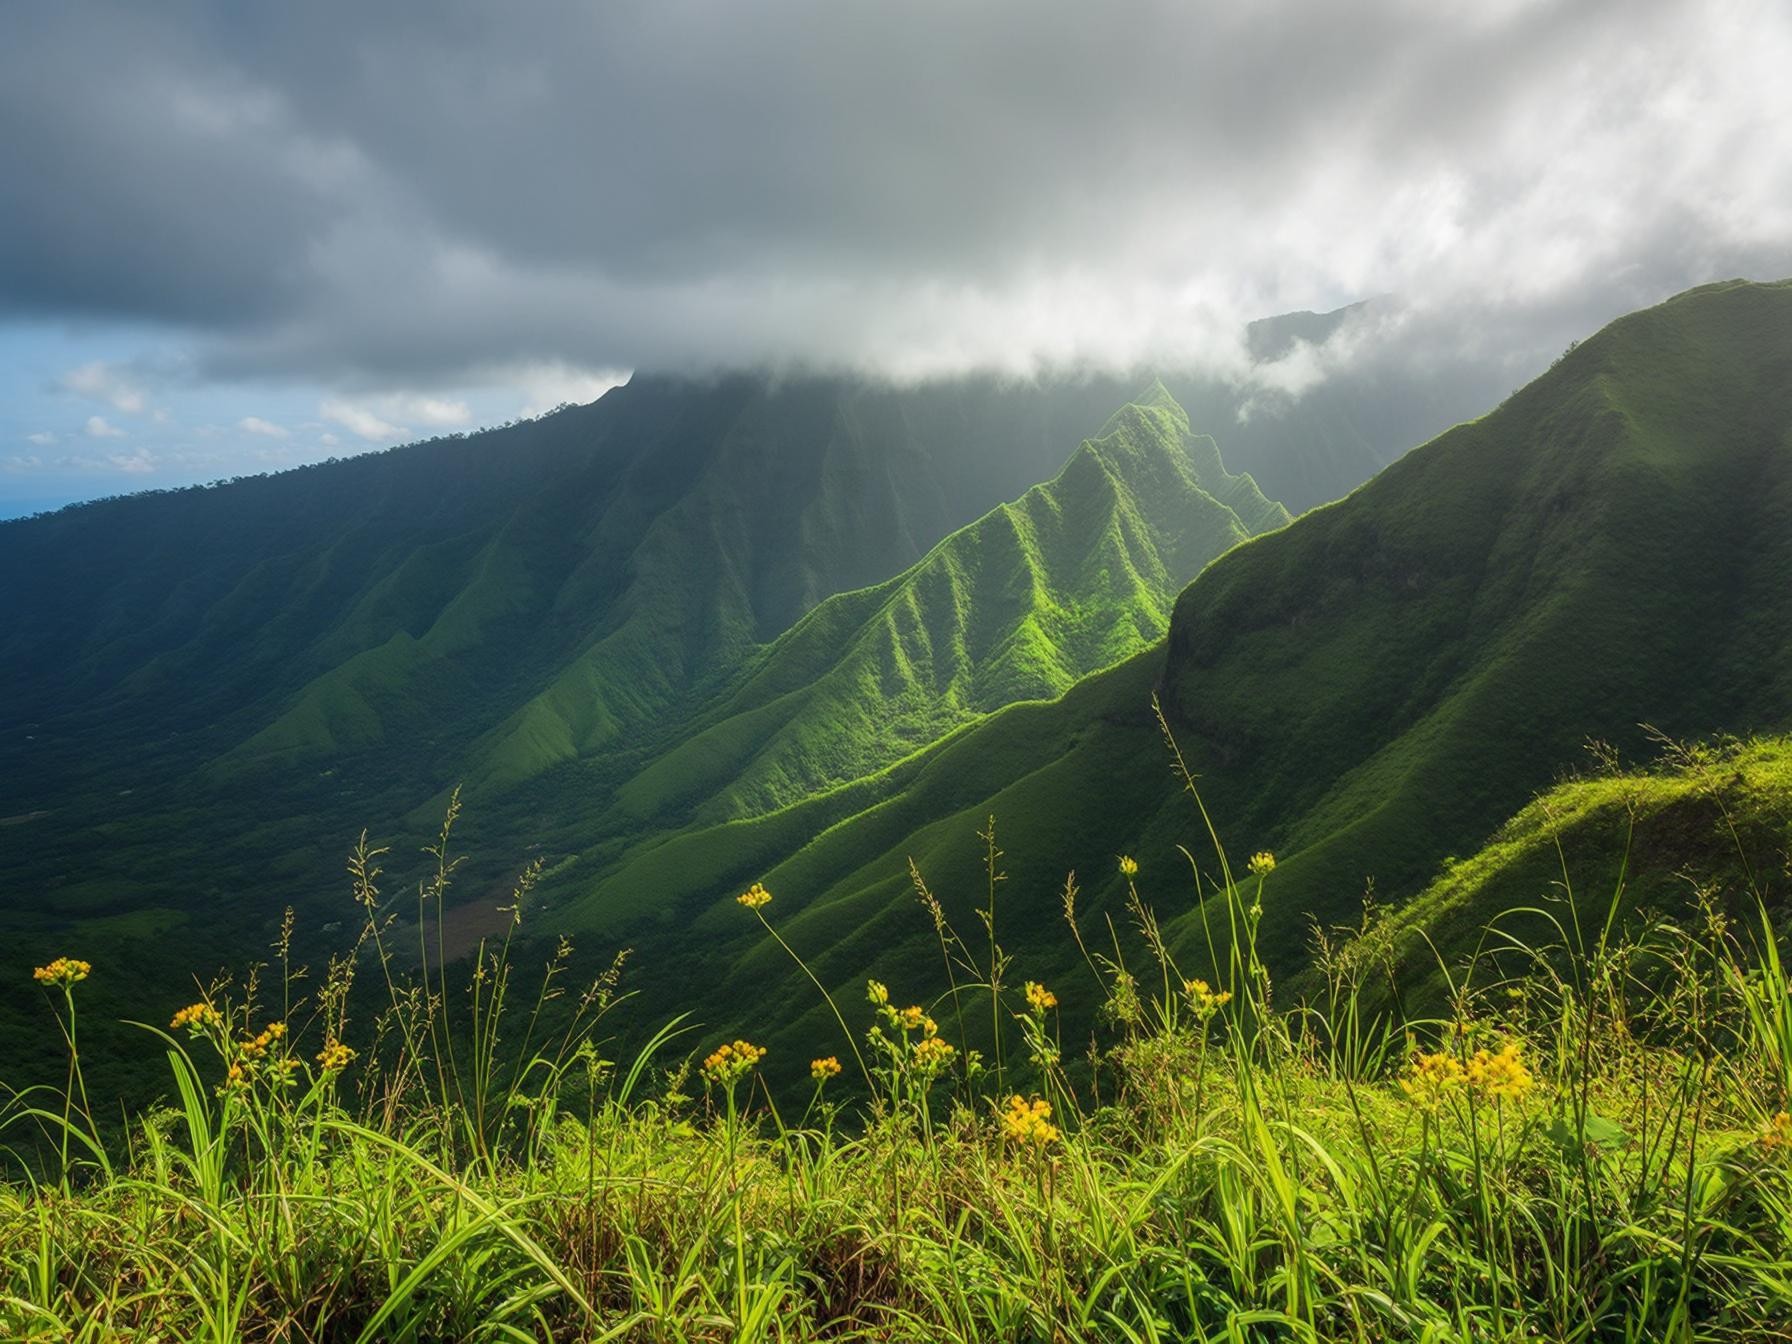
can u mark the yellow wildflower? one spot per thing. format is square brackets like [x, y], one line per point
[932, 1055]
[732, 1062]
[1029, 1122]
[1039, 998]
[1499, 1075]
[1432, 1077]
[1203, 1000]
[196, 1016]
[877, 992]
[1262, 862]
[754, 896]
[823, 1069]
[335, 1055]
[257, 1046]
[911, 1017]
[1129, 866]
[64, 971]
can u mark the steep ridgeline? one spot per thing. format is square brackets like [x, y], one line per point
[1367, 692]
[558, 640]
[209, 693]
[1076, 575]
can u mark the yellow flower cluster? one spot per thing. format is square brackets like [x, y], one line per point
[257, 1046]
[732, 1062]
[1432, 1077]
[1129, 866]
[823, 1069]
[1029, 1122]
[1500, 1075]
[335, 1055]
[1487, 1075]
[1039, 998]
[876, 991]
[933, 1055]
[754, 896]
[912, 1018]
[196, 1016]
[1262, 862]
[1778, 1133]
[1202, 998]
[64, 971]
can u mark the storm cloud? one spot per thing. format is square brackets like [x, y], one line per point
[410, 196]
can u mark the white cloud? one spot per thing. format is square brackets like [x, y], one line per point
[328, 440]
[43, 438]
[103, 382]
[138, 463]
[545, 386]
[24, 462]
[360, 421]
[98, 428]
[254, 424]
[433, 411]
[1129, 183]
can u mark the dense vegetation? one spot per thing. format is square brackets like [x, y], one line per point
[679, 712]
[694, 646]
[1373, 689]
[1369, 691]
[1588, 1141]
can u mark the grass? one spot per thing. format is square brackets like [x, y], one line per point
[1589, 1142]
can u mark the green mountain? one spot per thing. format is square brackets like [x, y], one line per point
[667, 656]
[1078, 574]
[585, 720]
[1366, 692]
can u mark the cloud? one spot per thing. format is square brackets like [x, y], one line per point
[547, 385]
[43, 438]
[436, 412]
[328, 440]
[99, 428]
[103, 382]
[24, 462]
[910, 189]
[139, 463]
[254, 424]
[361, 421]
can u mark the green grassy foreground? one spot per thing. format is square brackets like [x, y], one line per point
[1596, 1148]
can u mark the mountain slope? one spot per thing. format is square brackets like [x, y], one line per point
[587, 720]
[1701, 823]
[1077, 574]
[1367, 691]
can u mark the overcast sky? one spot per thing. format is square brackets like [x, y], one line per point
[239, 236]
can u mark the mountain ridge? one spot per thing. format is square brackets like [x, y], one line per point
[1366, 691]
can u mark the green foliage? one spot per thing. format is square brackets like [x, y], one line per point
[1592, 1145]
[599, 672]
[1377, 686]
